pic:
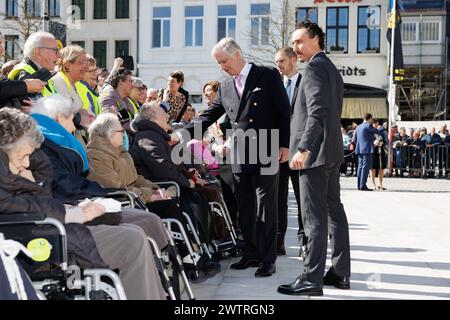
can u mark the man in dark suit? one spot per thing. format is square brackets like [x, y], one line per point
[256, 103]
[316, 149]
[363, 140]
[286, 62]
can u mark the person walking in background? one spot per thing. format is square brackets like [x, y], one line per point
[363, 138]
[379, 155]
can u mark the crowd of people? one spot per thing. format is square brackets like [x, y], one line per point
[417, 153]
[71, 131]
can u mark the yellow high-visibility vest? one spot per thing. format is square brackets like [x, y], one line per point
[49, 88]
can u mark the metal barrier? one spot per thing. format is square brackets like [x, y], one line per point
[422, 161]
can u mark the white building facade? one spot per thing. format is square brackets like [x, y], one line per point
[177, 34]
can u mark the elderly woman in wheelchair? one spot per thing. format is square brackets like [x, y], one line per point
[26, 187]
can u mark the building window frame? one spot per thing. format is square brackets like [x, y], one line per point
[370, 32]
[260, 24]
[122, 41]
[123, 8]
[337, 28]
[33, 8]
[11, 9]
[418, 31]
[193, 21]
[308, 12]
[54, 10]
[82, 5]
[96, 55]
[161, 20]
[226, 15]
[80, 43]
[12, 50]
[100, 10]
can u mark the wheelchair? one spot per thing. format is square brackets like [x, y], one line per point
[170, 255]
[50, 273]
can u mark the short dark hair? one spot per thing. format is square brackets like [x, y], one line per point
[367, 116]
[313, 31]
[288, 51]
[178, 75]
[120, 75]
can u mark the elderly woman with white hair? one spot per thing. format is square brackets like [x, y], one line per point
[26, 187]
[138, 93]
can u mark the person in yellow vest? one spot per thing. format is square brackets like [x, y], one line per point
[138, 93]
[115, 98]
[40, 51]
[71, 69]
[85, 87]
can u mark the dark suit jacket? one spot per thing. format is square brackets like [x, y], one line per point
[264, 105]
[316, 122]
[364, 137]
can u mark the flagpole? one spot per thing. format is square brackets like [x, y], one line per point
[392, 87]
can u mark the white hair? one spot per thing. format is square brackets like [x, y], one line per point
[227, 45]
[136, 81]
[53, 105]
[152, 90]
[34, 41]
[103, 125]
[148, 110]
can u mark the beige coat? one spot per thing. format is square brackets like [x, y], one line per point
[114, 168]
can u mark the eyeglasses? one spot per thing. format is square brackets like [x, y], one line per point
[91, 70]
[55, 50]
[120, 131]
[140, 88]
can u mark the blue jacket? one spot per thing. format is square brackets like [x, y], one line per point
[364, 137]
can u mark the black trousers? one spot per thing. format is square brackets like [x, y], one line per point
[257, 200]
[323, 214]
[283, 190]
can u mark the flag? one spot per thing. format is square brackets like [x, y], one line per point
[394, 17]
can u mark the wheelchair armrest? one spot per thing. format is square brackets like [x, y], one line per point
[124, 194]
[163, 183]
[21, 217]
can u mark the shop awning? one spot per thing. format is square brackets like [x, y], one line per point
[355, 108]
[359, 100]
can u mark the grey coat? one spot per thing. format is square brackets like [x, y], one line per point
[315, 125]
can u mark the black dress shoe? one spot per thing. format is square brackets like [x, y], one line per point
[301, 286]
[266, 269]
[245, 263]
[332, 279]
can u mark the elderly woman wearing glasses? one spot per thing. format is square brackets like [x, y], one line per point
[138, 93]
[85, 88]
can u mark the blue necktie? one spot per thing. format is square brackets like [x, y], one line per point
[288, 84]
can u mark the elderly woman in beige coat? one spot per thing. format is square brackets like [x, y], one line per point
[112, 166]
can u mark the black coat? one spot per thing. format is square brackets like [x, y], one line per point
[10, 89]
[69, 181]
[20, 195]
[152, 154]
[264, 105]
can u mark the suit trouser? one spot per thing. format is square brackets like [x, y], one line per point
[364, 165]
[323, 213]
[257, 200]
[283, 189]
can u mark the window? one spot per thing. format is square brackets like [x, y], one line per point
[226, 24]
[100, 49]
[122, 48]
[337, 30]
[53, 8]
[426, 31]
[161, 27]
[409, 32]
[122, 9]
[81, 5]
[260, 15]
[193, 26]
[12, 8]
[33, 8]
[100, 9]
[303, 14]
[195, 98]
[79, 43]
[369, 29]
[430, 31]
[12, 50]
